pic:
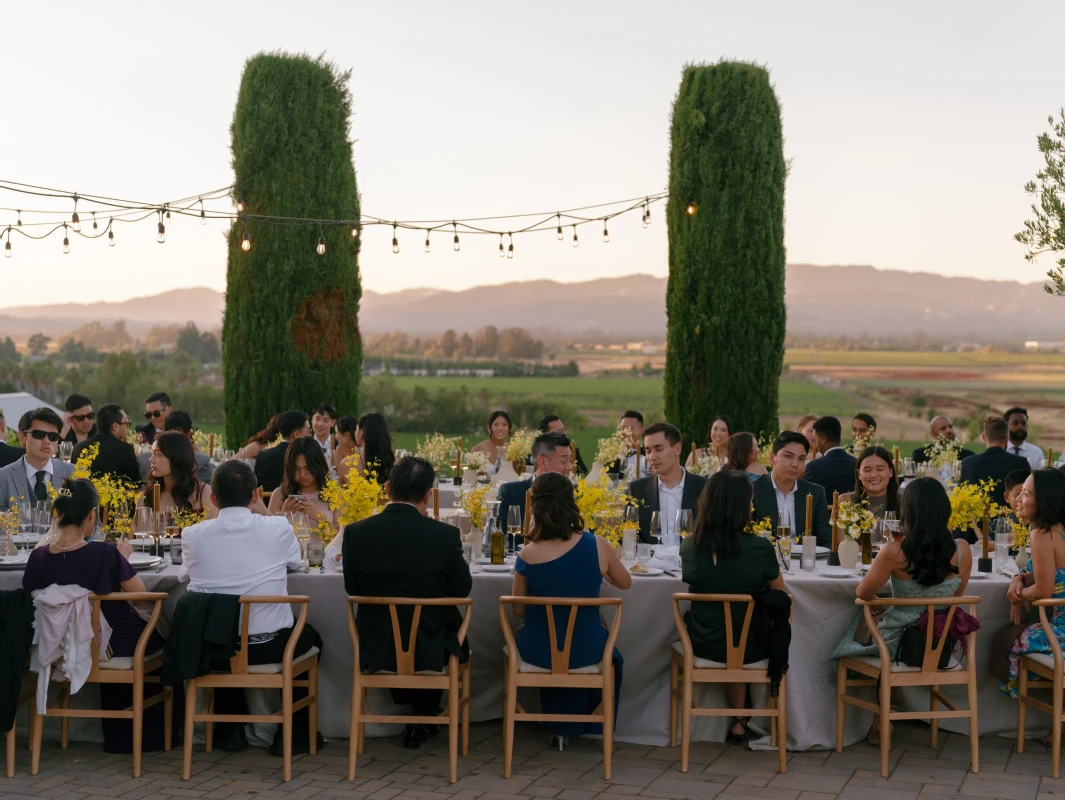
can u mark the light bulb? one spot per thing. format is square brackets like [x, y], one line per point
[606, 233]
[240, 203]
[427, 243]
[168, 215]
[245, 245]
[75, 223]
[203, 217]
[395, 245]
[19, 223]
[66, 245]
[321, 246]
[162, 233]
[354, 231]
[560, 235]
[690, 209]
[510, 247]
[575, 242]
[7, 249]
[95, 227]
[110, 238]
[646, 216]
[502, 252]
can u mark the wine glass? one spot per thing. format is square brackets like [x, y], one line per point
[513, 525]
[66, 450]
[683, 523]
[643, 554]
[654, 528]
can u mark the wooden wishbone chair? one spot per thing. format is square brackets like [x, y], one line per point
[686, 669]
[283, 676]
[872, 670]
[128, 670]
[27, 695]
[1049, 667]
[406, 676]
[518, 673]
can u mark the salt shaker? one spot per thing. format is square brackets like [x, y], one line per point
[809, 552]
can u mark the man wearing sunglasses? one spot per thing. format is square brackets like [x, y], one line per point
[116, 456]
[29, 479]
[79, 423]
[156, 410]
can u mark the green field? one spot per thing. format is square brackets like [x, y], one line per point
[932, 358]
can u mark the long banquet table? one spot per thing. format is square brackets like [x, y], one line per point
[823, 610]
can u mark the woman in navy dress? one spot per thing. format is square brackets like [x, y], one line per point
[563, 561]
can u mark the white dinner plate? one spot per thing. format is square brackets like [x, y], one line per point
[496, 568]
[506, 560]
[13, 562]
[144, 561]
[978, 576]
[651, 571]
[837, 573]
[796, 551]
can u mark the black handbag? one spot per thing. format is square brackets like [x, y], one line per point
[910, 649]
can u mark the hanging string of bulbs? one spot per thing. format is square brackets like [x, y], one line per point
[118, 210]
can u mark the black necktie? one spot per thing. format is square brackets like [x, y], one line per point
[40, 489]
[1017, 449]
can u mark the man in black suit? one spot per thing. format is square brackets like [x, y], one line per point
[270, 463]
[116, 456]
[782, 494]
[550, 453]
[403, 553]
[632, 426]
[8, 454]
[835, 470]
[941, 428]
[670, 488]
[994, 463]
[79, 420]
[553, 424]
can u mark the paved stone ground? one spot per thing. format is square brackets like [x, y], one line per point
[388, 772]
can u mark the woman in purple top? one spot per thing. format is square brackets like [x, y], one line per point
[101, 568]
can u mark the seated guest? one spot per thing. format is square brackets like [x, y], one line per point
[994, 463]
[941, 427]
[306, 474]
[244, 551]
[1012, 486]
[863, 428]
[262, 439]
[375, 456]
[322, 420]
[1017, 419]
[270, 463]
[877, 484]
[718, 438]
[346, 447]
[156, 410]
[805, 426]
[181, 422]
[8, 454]
[116, 456]
[377, 563]
[78, 421]
[173, 467]
[499, 427]
[670, 487]
[927, 562]
[834, 471]
[553, 424]
[550, 453]
[564, 561]
[743, 455]
[720, 557]
[30, 477]
[781, 495]
[100, 567]
[631, 426]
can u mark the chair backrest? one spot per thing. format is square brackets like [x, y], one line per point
[405, 655]
[156, 598]
[560, 657]
[1052, 639]
[734, 650]
[932, 649]
[238, 664]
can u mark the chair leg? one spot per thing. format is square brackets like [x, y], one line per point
[933, 722]
[466, 713]
[453, 720]
[1022, 707]
[354, 727]
[841, 707]
[168, 718]
[685, 719]
[11, 751]
[190, 713]
[286, 734]
[673, 702]
[974, 722]
[608, 726]
[64, 722]
[362, 721]
[35, 741]
[509, 709]
[312, 709]
[885, 722]
[782, 727]
[138, 725]
[208, 726]
[772, 703]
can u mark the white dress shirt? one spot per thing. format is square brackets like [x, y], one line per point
[243, 553]
[669, 503]
[31, 474]
[327, 449]
[1028, 450]
[785, 504]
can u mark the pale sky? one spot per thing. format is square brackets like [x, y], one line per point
[911, 127]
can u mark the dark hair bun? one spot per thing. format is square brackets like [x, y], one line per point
[75, 501]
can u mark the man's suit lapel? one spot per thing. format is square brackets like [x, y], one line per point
[690, 499]
[650, 496]
[22, 483]
[769, 499]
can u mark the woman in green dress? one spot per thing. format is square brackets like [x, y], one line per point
[928, 562]
[720, 557]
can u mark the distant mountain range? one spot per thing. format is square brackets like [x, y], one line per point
[829, 301]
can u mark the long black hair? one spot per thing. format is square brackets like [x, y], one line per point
[1049, 486]
[377, 455]
[75, 502]
[554, 509]
[893, 484]
[740, 447]
[928, 545]
[723, 514]
[311, 451]
[185, 486]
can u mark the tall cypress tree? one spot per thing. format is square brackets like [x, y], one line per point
[725, 295]
[290, 336]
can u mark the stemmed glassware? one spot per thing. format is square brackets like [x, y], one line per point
[513, 527]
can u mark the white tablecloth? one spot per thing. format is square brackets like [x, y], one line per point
[823, 610]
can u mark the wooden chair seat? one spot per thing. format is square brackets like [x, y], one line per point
[1050, 669]
[273, 669]
[1043, 659]
[126, 662]
[706, 663]
[874, 662]
[530, 669]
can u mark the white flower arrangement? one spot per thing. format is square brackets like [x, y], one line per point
[613, 448]
[476, 460]
[706, 464]
[438, 450]
[520, 446]
[855, 518]
[943, 451]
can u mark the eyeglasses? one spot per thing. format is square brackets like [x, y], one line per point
[51, 436]
[83, 417]
[153, 414]
[127, 422]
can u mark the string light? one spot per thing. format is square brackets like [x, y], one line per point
[456, 228]
[203, 214]
[19, 223]
[245, 243]
[646, 215]
[427, 241]
[691, 209]
[7, 247]
[74, 221]
[354, 231]
[606, 233]
[560, 235]
[168, 215]
[95, 227]
[502, 252]
[575, 242]
[66, 240]
[240, 203]
[161, 238]
[395, 241]
[510, 247]
[111, 233]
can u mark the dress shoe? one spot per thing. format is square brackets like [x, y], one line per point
[414, 736]
[233, 742]
[298, 748]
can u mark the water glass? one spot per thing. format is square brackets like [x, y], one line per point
[643, 553]
[66, 450]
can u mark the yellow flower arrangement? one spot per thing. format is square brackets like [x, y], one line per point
[9, 519]
[473, 503]
[189, 517]
[762, 527]
[862, 442]
[855, 518]
[765, 450]
[601, 507]
[438, 450]
[1021, 534]
[614, 447]
[943, 451]
[356, 500]
[520, 445]
[967, 503]
[117, 496]
[83, 466]
[325, 531]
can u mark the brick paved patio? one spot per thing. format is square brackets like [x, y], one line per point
[388, 772]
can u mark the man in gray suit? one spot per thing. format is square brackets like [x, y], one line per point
[29, 478]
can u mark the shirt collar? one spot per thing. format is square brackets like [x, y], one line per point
[234, 512]
[31, 471]
[678, 488]
[793, 488]
[837, 447]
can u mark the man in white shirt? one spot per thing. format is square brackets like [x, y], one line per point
[781, 495]
[29, 479]
[1018, 445]
[322, 420]
[245, 551]
[670, 488]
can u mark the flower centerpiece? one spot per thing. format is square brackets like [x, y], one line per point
[861, 442]
[967, 504]
[325, 531]
[9, 521]
[613, 448]
[1021, 534]
[601, 507]
[855, 518]
[189, 517]
[765, 450]
[438, 450]
[476, 461]
[353, 501]
[519, 448]
[706, 463]
[117, 497]
[762, 527]
[473, 503]
[943, 451]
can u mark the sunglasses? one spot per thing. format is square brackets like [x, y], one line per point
[83, 417]
[153, 414]
[52, 436]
